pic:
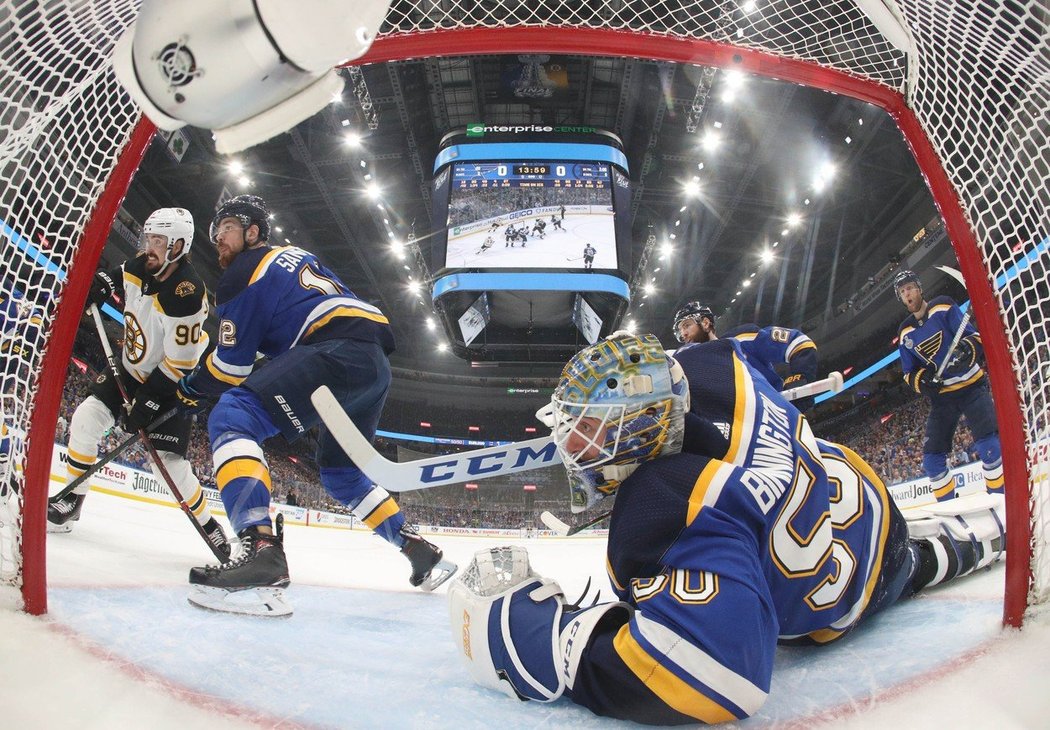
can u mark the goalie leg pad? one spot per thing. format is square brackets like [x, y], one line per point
[956, 538]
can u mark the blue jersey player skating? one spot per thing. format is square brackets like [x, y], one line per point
[282, 302]
[719, 546]
[924, 341]
[764, 347]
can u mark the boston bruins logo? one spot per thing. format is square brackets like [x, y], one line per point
[134, 339]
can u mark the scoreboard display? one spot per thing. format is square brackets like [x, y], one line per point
[489, 175]
[538, 224]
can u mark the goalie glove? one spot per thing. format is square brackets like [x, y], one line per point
[514, 629]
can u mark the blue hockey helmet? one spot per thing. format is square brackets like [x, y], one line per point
[905, 276]
[694, 311]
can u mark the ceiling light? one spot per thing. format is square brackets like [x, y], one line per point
[690, 189]
[414, 286]
[711, 140]
[345, 122]
[747, 283]
[431, 324]
[352, 139]
[279, 229]
[372, 190]
[442, 347]
[244, 181]
[718, 125]
[235, 166]
[794, 219]
[767, 256]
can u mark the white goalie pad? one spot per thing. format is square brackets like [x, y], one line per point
[269, 602]
[980, 516]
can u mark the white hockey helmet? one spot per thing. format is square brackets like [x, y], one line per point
[173, 223]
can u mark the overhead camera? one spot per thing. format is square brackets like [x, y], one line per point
[245, 69]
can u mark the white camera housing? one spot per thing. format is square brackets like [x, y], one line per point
[245, 70]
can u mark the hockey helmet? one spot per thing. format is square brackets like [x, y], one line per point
[905, 276]
[694, 311]
[618, 403]
[173, 224]
[248, 209]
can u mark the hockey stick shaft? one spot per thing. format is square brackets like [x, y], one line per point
[955, 343]
[111, 455]
[433, 472]
[564, 529]
[150, 449]
[833, 383]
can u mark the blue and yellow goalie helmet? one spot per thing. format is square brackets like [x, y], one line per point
[618, 403]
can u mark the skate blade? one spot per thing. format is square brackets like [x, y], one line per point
[58, 529]
[440, 573]
[248, 602]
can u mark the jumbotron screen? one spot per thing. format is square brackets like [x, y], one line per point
[531, 215]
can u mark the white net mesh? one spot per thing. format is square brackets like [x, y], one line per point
[63, 122]
[976, 75]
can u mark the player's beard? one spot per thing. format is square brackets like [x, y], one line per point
[154, 264]
[226, 256]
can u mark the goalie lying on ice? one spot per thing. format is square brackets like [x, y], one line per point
[719, 548]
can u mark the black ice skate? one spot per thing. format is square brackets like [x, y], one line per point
[217, 537]
[252, 583]
[429, 570]
[62, 513]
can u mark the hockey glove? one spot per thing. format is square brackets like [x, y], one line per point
[925, 382]
[189, 400]
[514, 628]
[963, 358]
[144, 410]
[102, 288]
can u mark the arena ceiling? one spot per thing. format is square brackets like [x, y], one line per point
[718, 164]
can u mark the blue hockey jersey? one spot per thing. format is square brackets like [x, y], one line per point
[770, 534]
[767, 347]
[273, 298]
[925, 344]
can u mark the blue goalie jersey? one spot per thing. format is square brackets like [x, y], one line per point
[273, 298]
[768, 534]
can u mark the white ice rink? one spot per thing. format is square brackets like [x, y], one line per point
[121, 647]
[558, 249]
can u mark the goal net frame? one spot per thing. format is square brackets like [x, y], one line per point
[892, 54]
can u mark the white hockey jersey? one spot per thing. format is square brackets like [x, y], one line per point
[163, 321]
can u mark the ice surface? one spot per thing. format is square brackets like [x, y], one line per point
[123, 648]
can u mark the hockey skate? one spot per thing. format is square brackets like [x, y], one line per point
[429, 569]
[253, 583]
[217, 537]
[62, 513]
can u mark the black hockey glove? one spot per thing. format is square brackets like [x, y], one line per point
[926, 382]
[144, 410]
[102, 288]
[963, 358]
[189, 399]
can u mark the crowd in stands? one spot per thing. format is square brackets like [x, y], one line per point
[885, 427]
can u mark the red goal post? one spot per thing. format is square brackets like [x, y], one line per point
[967, 83]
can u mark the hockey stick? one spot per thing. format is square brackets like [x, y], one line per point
[433, 472]
[957, 275]
[563, 528]
[833, 383]
[111, 455]
[153, 455]
[575, 259]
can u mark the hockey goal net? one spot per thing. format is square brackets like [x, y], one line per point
[967, 82]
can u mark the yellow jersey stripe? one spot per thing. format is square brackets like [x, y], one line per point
[664, 684]
[345, 312]
[220, 375]
[260, 270]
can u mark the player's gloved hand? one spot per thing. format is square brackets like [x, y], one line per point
[962, 359]
[144, 411]
[188, 399]
[926, 382]
[102, 288]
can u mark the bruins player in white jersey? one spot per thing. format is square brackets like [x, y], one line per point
[165, 306]
[719, 547]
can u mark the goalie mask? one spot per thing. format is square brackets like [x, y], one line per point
[247, 209]
[173, 224]
[618, 404]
